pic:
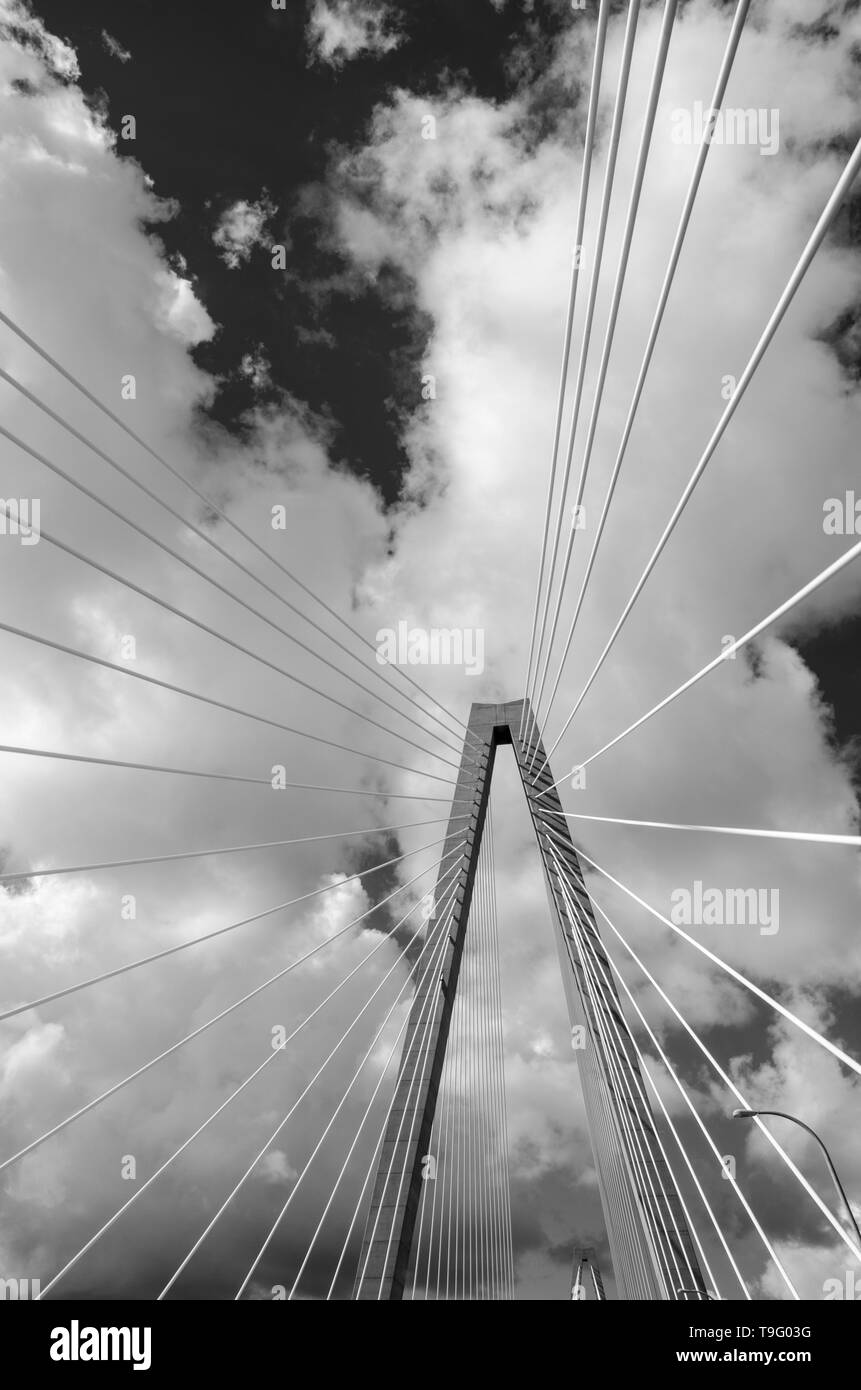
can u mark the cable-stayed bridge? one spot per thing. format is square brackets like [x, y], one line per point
[643, 1211]
[416, 1198]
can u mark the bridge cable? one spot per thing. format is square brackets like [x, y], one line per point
[474, 1196]
[221, 931]
[481, 1114]
[735, 974]
[215, 704]
[451, 1266]
[207, 539]
[364, 1119]
[592, 965]
[483, 1145]
[731, 1085]
[446, 1148]
[375, 1157]
[288, 1115]
[826, 1211]
[594, 278]
[497, 1064]
[209, 579]
[681, 231]
[817, 236]
[806, 836]
[225, 849]
[222, 776]
[223, 1106]
[430, 999]
[798, 597]
[632, 1121]
[497, 982]
[618, 1163]
[118, 1086]
[434, 1152]
[433, 997]
[334, 1116]
[667, 23]
[588, 144]
[674, 1075]
[229, 641]
[434, 1177]
[208, 502]
[634, 1137]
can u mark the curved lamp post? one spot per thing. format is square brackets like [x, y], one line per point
[781, 1114]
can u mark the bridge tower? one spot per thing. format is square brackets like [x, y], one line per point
[646, 1228]
[586, 1265]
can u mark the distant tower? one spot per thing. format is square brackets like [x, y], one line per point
[586, 1276]
[648, 1235]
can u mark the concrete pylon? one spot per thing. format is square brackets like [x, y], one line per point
[586, 1274]
[650, 1245]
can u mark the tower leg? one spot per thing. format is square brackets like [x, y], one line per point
[647, 1231]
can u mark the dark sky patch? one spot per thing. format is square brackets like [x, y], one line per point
[228, 107]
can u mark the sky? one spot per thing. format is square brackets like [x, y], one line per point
[281, 260]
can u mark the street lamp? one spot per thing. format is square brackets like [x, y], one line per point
[700, 1293]
[781, 1114]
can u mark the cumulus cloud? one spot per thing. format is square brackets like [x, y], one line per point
[240, 228]
[255, 367]
[21, 29]
[339, 30]
[275, 1167]
[481, 219]
[106, 301]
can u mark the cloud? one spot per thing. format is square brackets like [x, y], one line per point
[114, 47]
[255, 367]
[240, 228]
[480, 219]
[275, 1167]
[340, 30]
[21, 29]
[106, 301]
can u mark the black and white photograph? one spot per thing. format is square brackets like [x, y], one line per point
[430, 709]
